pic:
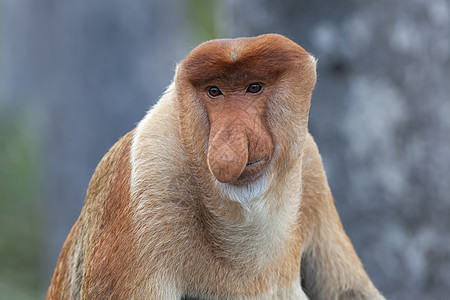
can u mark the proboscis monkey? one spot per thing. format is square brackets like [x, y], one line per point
[219, 192]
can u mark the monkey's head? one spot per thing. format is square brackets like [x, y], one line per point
[247, 101]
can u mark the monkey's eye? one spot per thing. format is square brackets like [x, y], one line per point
[254, 88]
[214, 91]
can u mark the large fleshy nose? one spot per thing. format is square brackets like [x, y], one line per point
[227, 152]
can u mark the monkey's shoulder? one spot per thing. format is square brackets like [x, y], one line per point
[314, 179]
[118, 156]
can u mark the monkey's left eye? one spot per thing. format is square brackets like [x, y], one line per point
[214, 91]
[254, 88]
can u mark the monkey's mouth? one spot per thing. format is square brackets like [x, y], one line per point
[252, 171]
[254, 162]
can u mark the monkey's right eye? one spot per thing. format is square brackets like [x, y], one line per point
[214, 91]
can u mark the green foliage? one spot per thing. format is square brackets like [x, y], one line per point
[20, 216]
[203, 18]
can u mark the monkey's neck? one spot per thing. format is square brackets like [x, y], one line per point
[253, 230]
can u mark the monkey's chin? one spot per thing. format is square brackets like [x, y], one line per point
[252, 172]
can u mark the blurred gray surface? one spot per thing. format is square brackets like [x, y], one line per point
[85, 72]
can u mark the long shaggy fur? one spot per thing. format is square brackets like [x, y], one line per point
[157, 224]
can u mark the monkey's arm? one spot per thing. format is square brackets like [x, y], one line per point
[70, 271]
[330, 267]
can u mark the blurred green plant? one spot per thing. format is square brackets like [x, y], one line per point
[21, 235]
[202, 15]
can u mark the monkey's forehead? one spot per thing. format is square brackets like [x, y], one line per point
[265, 56]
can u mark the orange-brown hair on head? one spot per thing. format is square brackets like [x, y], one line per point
[266, 56]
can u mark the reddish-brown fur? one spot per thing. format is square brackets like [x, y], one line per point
[175, 209]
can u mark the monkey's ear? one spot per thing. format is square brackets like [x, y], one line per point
[310, 67]
[177, 68]
[313, 60]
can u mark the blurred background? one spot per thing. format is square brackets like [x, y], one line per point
[77, 75]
